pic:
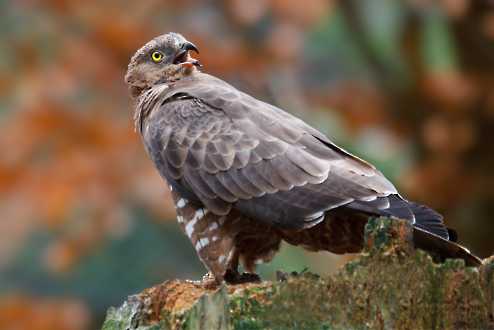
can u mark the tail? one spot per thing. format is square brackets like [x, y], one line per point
[421, 216]
[430, 233]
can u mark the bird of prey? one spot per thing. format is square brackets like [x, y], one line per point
[246, 175]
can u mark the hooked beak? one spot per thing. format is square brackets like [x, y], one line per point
[184, 57]
[190, 46]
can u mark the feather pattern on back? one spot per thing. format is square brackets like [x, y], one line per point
[231, 150]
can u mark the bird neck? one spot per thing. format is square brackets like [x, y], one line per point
[179, 72]
[146, 102]
[171, 75]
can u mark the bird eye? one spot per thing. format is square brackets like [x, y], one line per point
[157, 57]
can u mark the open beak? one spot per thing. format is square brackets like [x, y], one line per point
[184, 57]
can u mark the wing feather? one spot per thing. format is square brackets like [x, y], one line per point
[252, 173]
[310, 164]
[229, 182]
[231, 150]
[219, 189]
[199, 186]
[241, 159]
[246, 184]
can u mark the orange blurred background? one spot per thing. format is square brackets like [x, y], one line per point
[86, 219]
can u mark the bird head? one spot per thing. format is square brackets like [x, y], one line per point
[163, 59]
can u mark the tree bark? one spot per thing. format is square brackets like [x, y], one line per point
[389, 286]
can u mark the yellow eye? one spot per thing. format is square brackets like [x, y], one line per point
[157, 57]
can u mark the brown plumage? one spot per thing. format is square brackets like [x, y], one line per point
[246, 175]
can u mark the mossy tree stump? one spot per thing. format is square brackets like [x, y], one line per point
[389, 286]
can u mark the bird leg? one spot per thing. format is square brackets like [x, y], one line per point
[220, 241]
[233, 276]
[212, 237]
[230, 276]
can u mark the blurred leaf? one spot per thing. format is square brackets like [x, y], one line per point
[438, 47]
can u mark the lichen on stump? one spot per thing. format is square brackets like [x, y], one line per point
[389, 286]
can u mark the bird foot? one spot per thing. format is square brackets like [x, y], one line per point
[234, 277]
[209, 282]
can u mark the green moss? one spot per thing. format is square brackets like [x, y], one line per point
[390, 286]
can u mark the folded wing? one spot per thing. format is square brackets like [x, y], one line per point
[230, 150]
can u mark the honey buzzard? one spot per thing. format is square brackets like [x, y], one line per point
[245, 175]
